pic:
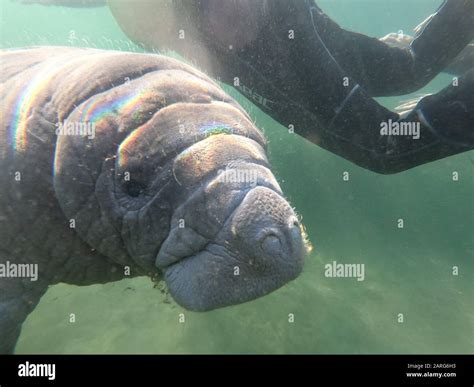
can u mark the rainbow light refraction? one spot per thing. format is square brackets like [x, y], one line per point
[26, 102]
[95, 109]
[99, 107]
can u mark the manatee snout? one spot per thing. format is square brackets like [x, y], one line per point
[259, 249]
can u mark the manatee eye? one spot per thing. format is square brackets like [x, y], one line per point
[133, 188]
[271, 244]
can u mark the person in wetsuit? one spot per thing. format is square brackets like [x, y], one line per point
[321, 82]
[309, 74]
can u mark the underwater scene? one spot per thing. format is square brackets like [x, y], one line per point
[388, 265]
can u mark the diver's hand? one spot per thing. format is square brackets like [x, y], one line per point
[402, 40]
[460, 65]
[406, 107]
[419, 28]
[397, 40]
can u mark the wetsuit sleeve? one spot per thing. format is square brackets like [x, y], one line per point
[450, 113]
[439, 126]
[386, 70]
[463, 62]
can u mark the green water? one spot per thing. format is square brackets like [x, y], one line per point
[408, 270]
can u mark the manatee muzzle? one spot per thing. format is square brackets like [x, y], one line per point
[259, 248]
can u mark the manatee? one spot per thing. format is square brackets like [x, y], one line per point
[117, 165]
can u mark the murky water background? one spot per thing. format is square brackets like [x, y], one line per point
[408, 270]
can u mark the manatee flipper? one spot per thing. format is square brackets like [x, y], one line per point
[18, 297]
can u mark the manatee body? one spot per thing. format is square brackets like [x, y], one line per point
[120, 164]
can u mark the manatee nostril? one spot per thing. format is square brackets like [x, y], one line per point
[271, 244]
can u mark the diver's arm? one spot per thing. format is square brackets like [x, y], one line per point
[443, 38]
[386, 70]
[450, 113]
[440, 125]
[332, 110]
[290, 72]
[463, 62]
[365, 133]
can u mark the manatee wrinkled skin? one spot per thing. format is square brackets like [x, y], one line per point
[115, 162]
